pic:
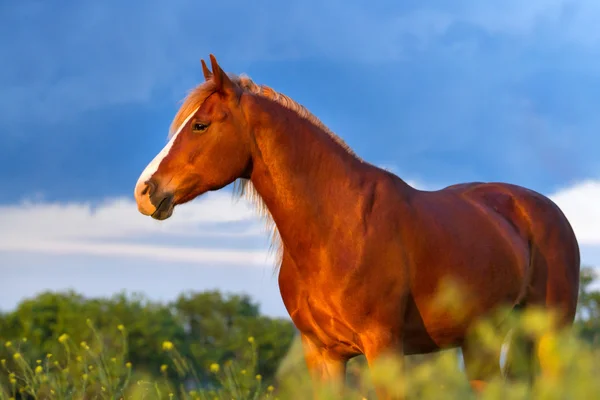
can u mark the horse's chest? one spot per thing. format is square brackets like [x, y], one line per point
[327, 325]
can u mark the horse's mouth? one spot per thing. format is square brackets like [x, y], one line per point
[164, 209]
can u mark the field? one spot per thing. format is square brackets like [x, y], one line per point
[210, 346]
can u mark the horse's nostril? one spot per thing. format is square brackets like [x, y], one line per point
[149, 189]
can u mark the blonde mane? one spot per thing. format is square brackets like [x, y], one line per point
[244, 187]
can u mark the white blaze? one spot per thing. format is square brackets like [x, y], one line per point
[153, 166]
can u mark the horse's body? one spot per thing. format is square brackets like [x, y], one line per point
[362, 252]
[506, 245]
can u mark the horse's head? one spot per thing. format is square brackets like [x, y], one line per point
[209, 148]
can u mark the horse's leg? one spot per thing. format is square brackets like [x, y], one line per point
[521, 360]
[385, 359]
[529, 356]
[327, 370]
[482, 364]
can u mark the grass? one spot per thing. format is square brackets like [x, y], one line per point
[568, 369]
[92, 371]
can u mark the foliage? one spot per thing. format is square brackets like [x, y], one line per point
[205, 328]
[80, 370]
[588, 313]
[93, 370]
[207, 346]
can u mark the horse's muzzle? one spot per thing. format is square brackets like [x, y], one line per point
[152, 201]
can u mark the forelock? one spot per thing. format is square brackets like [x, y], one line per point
[191, 103]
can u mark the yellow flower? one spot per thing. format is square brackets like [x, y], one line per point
[170, 395]
[258, 377]
[63, 338]
[39, 369]
[38, 361]
[24, 340]
[3, 361]
[90, 367]
[549, 355]
[84, 377]
[84, 345]
[128, 364]
[167, 345]
[121, 327]
[78, 358]
[49, 355]
[113, 359]
[17, 356]
[8, 344]
[214, 368]
[270, 388]
[243, 372]
[251, 339]
[12, 380]
[163, 368]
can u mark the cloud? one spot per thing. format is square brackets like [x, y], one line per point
[580, 203]
[84, 55]
[87, 55]
[566, 21]
[547, 22]
[214, 229]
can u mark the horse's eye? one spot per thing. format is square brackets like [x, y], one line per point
[199, 127]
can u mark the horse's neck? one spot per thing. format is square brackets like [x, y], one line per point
[305, 178]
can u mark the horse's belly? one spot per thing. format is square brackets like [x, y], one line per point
[445, 302]
[422, 335]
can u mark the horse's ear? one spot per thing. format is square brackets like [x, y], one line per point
[207, 74]
[222, 81]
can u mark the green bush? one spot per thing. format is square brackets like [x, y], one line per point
[91, 369]
[208, 346]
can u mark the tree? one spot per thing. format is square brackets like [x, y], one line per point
[204, 328]
[588, 311]
[218, 329]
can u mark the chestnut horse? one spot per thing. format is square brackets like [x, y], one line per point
[362, 253]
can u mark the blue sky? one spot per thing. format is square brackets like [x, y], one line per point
[438, 92]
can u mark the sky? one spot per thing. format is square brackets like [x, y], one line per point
[438, 92]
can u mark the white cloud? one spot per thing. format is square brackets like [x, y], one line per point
[154, 252]
[119, 218]
[580, 203]
[56, 246]
[116, 228]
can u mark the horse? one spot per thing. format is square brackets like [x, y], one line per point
[361, 253]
